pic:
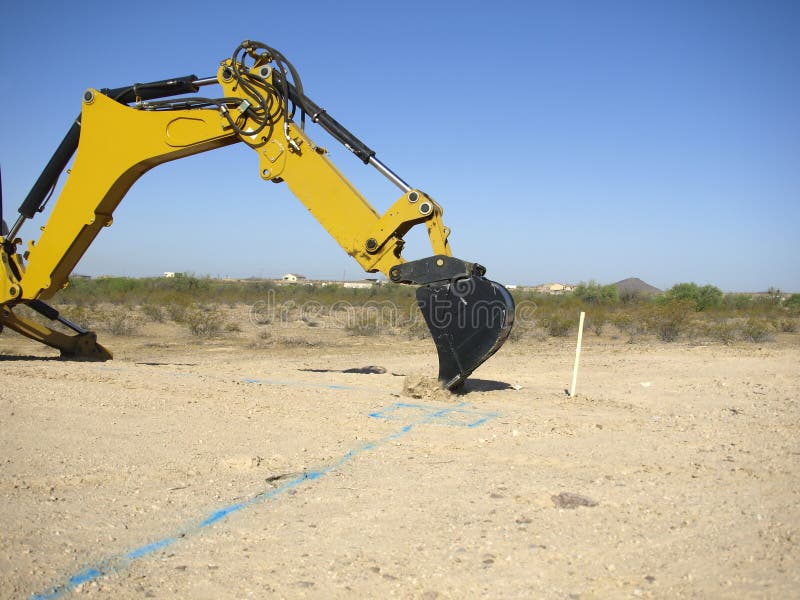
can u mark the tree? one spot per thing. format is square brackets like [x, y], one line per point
[594, 293]
[703, 297]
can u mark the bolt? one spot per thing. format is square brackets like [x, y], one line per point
[413, 197]
[439, 262]
[88, 96]
[372, 245]
[425, 208]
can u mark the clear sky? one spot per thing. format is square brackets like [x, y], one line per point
[566, 140]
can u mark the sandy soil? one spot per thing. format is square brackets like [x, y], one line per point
[231, 469]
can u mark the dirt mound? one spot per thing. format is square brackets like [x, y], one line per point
[424, 386]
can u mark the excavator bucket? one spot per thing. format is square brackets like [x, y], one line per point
[469, 319]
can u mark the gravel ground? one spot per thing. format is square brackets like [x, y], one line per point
[221, 469]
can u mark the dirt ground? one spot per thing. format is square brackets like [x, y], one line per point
[239, 467]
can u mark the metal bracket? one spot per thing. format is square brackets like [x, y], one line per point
[433, 269]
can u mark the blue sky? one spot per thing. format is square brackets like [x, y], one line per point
[567, 141]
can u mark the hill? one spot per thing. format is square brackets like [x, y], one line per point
[636, 286]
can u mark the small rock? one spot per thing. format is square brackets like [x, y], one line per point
[570, 500]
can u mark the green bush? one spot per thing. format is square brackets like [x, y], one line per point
[703, 297]
[737, 301]
[594, 293]
[792, 301]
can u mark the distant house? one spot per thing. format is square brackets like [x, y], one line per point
[293, 277]
[171, 274]
[554, 289]
[358, 285]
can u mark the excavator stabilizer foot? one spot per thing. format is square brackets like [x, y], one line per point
[469, 319]
[85, 347]
[81, 346]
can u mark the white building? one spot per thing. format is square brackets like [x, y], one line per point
[293, 277]
[554, 289]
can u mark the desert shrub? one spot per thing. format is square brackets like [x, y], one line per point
[415, 328]
[737, 301]
[558, 325]
[596, 322]
[153, 312]
[517, 334]
[118, 320]
[633, 326]
[774, 296]
[630, 296]
[80, 314]
[792, 302]
[177, 311]
[366, 327]
[703, 297]
[263, 339]
[593, 293]
[203, 322]
[788, 325]
[756, 330]
[723, 331]
[667, 321]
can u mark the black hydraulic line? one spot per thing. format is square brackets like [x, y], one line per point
[328, 123]
[51, 313]
[155, 89]
[139, 91]
[36, 197]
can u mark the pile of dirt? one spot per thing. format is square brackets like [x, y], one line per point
[424, 386]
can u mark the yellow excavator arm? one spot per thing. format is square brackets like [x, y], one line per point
[120, 134]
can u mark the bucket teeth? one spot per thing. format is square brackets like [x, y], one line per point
[470, 319]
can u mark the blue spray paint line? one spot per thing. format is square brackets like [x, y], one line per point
[457, 415]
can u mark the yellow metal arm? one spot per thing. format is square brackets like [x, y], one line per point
[117, 143]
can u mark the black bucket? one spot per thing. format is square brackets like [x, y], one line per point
[469, 319]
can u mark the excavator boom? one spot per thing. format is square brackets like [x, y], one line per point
[122, 133]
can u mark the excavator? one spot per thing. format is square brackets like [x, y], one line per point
[122, 133]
